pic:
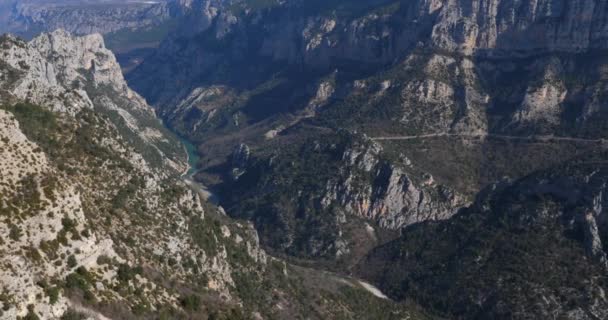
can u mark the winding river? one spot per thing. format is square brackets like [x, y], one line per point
[190, 172]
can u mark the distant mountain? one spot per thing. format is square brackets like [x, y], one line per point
[82, 17]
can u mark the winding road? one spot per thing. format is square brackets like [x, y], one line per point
[539, 138]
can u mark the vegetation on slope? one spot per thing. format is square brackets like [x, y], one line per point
[521, 251]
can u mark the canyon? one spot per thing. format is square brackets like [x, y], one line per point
[450, 153]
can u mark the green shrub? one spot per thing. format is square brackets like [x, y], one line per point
[103, 259]
[191, 302]
[72, 314]
[81, 279]
[72, 262]
[126, 273]
[53, 294]
[15, 232]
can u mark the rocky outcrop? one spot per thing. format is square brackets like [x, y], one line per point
[240, 156]
[542, 103]
[391, 197]
[69, 75]
[240, 160]
[530, 27]
[593, 242]
[445, 97]
[56, 65]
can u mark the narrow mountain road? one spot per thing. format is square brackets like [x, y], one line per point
[539, 138]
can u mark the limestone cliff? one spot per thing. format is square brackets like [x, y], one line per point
[515, 27]
[372, 35]
[84, 199]
[392, 197]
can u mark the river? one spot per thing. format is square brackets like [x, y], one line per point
[193, 158]
[190, 172]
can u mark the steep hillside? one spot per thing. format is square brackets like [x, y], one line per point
[89, 191]
[97, 222]
[530, 249]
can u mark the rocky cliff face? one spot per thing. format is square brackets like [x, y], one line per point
[74, 75]
[391, 197]
[520, 27]
[51, 65]
[289, 32]
[548, 39]
[96, 148]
